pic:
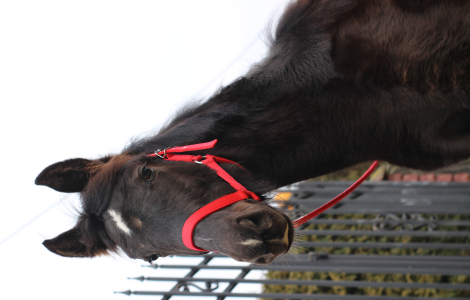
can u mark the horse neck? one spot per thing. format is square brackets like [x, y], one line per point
[279, 140]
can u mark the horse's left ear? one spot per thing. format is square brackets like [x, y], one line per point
[69, 176]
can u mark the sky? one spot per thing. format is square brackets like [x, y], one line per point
[81, 79]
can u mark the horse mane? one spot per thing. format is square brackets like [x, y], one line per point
[142, 144]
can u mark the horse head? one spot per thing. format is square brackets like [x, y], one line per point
[139, 204]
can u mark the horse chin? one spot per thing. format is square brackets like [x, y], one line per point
[248, 232]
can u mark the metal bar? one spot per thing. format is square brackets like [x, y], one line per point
[306, 192]
[388, 222]
[331, 267]
[379, 203]
[384, 193]
[280, 295]
[381, 208]
[446, 206]
[377, 258]
[397, 210]
[371, 185]
[390, 200]
[387, 245]
[385, 233]
[373, 258]
[403, 285]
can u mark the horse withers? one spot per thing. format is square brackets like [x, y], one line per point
[344, 82]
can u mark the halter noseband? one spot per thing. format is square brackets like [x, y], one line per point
[241, 192]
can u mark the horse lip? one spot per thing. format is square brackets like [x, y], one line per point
[290, 233]
[287, 238]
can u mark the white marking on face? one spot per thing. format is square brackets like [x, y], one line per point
[251, 242]
[203, 239]
[120, 222]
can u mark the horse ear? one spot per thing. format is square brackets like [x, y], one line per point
[69, 176]
[68, 244]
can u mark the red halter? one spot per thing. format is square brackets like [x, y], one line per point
[211, 161]
[241, 192]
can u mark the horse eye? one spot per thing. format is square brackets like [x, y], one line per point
[152, 257]
[147, 174]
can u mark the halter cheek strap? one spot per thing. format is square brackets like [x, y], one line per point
[241, 192]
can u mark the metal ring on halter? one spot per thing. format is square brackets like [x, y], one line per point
[200, 162]
[156, 153]
[164, 152]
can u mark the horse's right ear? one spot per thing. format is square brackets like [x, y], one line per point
[68, 244]
[69, 176]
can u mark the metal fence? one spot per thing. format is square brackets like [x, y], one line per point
[435, 214]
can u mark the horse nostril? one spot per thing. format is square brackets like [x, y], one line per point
[257, 220]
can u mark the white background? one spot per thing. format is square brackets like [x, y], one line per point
[80, 79]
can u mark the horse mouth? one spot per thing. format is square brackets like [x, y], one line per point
[289, 235]
[287, 238]
[276, 246]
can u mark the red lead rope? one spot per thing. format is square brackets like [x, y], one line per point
[241, 192]
[338, 198]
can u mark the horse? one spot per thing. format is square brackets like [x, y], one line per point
[344, 82]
